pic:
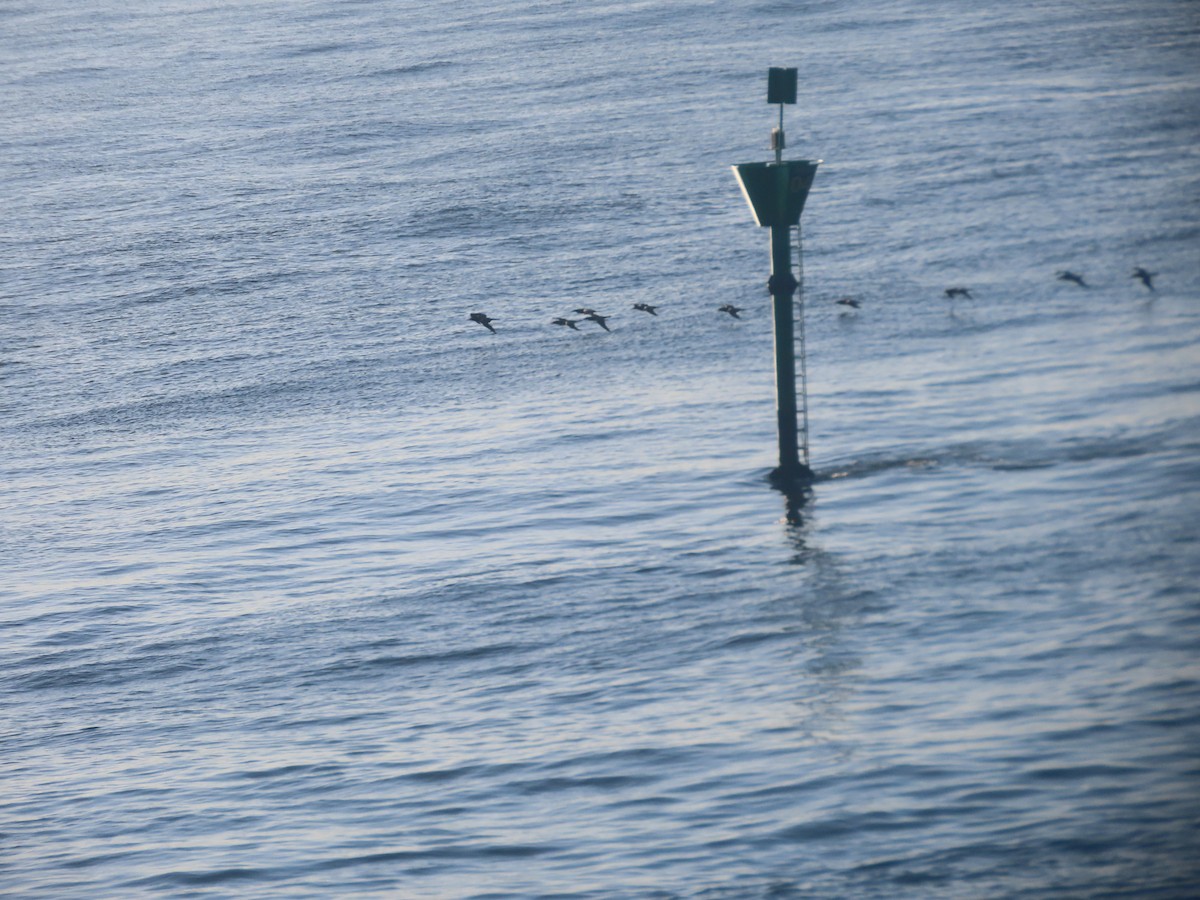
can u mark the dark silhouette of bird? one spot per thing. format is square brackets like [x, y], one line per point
[1071, 276]
[646, 307]
[1147, 277]
[585, 311]
[482, 320]
[569, 323]
[731, 309]
[599, 320]
[848, 301]
[958, 292]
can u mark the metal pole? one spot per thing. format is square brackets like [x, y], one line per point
[783, 287]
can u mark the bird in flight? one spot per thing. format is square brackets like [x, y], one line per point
[585, 311]
[1147, 277]
[1070, 276]
[598, 319]
[569, 323]
[646, 307]
[849, 301]
[731, 309]
[483, 320]
[958, 292]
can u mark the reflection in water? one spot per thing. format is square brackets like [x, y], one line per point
[823, 662]
[796, 496]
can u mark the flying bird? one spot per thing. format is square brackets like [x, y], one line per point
[646, 307]
[731, 309]
[585, 311]
[1147, 277]
[569, 323]
[958, 292]
[848, 301]
[483, 320]
[1071, 276]
[599, 320]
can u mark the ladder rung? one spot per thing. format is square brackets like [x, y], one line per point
[802, 424]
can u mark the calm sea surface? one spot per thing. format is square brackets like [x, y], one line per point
[310, 586]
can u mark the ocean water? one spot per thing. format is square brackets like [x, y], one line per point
[312, 587]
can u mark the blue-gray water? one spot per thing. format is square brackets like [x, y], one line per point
[313, 587]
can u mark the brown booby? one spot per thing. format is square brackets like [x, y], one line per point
[483, 320]
[599, 320]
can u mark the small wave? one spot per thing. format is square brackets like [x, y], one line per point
[842, 825]
[200, 879]
[413, 69]
[97, 860]
[216, 287]
[866, 468]
[444, 852]
[108, 673]
[560, 784]
[753, 638]
[1021, 466]
[281, 772]
[1012, 457]
[317, 49]
[1082, 773]
[68, 75]
[400, 661]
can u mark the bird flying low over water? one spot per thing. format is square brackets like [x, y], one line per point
[483, 320]
[958, 292]
[598, 319]
[731, 309]
[1147, 277]
[569, 323]
[848, 301]
[1070, 276]
[585, 311]
[646, 307]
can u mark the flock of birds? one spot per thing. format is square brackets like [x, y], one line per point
[1145, 276]
[588, 314]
